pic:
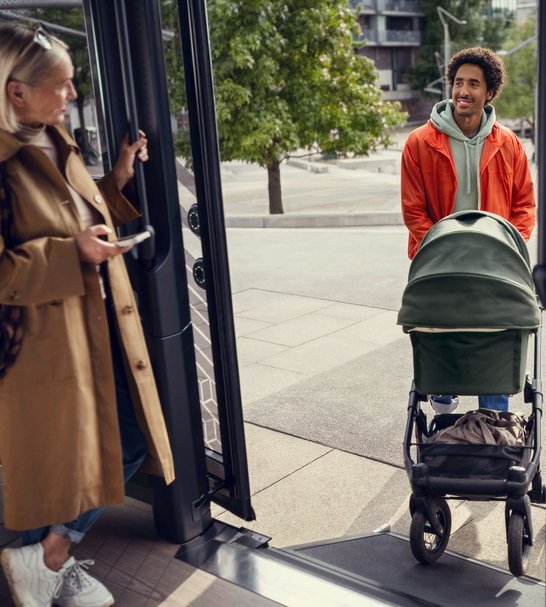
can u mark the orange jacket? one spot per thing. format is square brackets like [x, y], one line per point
[429, 181]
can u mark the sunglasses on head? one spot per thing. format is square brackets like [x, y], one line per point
[43, 38]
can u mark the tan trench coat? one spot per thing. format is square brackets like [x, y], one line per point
[59, 437]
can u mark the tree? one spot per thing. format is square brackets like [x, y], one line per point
[482, 28]
[287, 78]
[517, 101]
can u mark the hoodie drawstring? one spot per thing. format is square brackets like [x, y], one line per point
[467, 163]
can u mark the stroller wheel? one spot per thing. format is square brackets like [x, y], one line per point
[426, 544]
[519, 544]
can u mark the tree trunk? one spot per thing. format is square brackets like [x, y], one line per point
[274, 188]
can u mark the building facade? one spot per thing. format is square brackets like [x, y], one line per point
[392, 32]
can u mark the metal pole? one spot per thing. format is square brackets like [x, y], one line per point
[541, 133]
[540, 142]
[442, 13]
[147, 250]
[447, 55]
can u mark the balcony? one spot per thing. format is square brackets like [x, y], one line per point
[366, 6]
[391, 37]
[410, 7]
[395, 7]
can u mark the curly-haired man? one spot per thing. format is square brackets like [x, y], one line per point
[462, 159]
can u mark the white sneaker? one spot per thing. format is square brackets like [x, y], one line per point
[443, 404]
[81, 589]
[31, 582]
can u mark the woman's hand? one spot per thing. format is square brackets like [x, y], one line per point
[93, 249]
[124, 168]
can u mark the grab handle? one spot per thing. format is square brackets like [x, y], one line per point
[147, 249]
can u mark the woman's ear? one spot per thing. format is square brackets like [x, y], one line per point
[16, 93]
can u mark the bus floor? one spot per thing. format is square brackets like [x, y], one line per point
[139, 568]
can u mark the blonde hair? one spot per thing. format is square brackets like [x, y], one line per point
[25, 60]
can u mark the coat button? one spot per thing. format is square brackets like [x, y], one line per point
[98, 199]
[127, 310]
[14, 295]
[141, 365]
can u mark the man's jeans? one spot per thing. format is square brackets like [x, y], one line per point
[133, 445]
[496, 402]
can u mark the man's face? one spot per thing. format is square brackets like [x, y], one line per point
[470, 92]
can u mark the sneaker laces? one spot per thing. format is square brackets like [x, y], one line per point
[76, 577]
[58, 586]
[63, 574]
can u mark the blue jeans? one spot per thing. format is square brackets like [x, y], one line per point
[491, 401]
[133, 446]
[497, 402]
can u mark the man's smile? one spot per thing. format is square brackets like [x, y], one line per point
[464, 102]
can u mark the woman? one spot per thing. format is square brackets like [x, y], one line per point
[79, 409]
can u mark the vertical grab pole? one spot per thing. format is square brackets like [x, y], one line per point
[147, 248]
[539, 272]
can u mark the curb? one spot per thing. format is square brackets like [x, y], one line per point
[309, 220]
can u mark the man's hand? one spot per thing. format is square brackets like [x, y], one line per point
[124, 168]
[93, 249]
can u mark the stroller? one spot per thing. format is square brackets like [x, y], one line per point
[470, 309]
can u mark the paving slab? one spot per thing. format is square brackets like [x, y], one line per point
[321, 500]
[319, 355]
[300, 330]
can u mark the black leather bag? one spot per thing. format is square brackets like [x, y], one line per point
[11, 331]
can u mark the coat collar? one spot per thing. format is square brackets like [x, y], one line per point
[10, 145]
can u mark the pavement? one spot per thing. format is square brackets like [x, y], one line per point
[325, 371]
[339, 195]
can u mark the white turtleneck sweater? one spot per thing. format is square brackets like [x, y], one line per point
[42, 140]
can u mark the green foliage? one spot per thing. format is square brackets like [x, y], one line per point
[481, 29]
[287, 78]
[173, 57]
[517, 101]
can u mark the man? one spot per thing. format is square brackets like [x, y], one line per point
[462, 159]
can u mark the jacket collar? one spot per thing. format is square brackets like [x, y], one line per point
[439, 140]
[10, 145]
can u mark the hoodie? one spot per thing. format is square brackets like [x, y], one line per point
[466, 152]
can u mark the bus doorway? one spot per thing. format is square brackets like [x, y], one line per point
[217, 563]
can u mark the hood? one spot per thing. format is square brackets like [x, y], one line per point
[466, 150]
[442, 118]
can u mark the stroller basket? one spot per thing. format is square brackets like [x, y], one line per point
[472, 461]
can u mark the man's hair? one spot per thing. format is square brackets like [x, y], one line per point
[491, 64]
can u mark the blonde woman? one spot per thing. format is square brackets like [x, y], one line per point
[79, 409]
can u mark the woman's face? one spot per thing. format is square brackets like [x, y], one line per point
[46, 101]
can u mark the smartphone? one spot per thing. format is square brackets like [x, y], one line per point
[133, 239]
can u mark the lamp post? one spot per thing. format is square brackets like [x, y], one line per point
[514, 49]
[442, 13]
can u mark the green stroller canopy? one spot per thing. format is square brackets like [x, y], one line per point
[472, 270]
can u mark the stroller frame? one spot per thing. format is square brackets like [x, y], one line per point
[522, 485]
